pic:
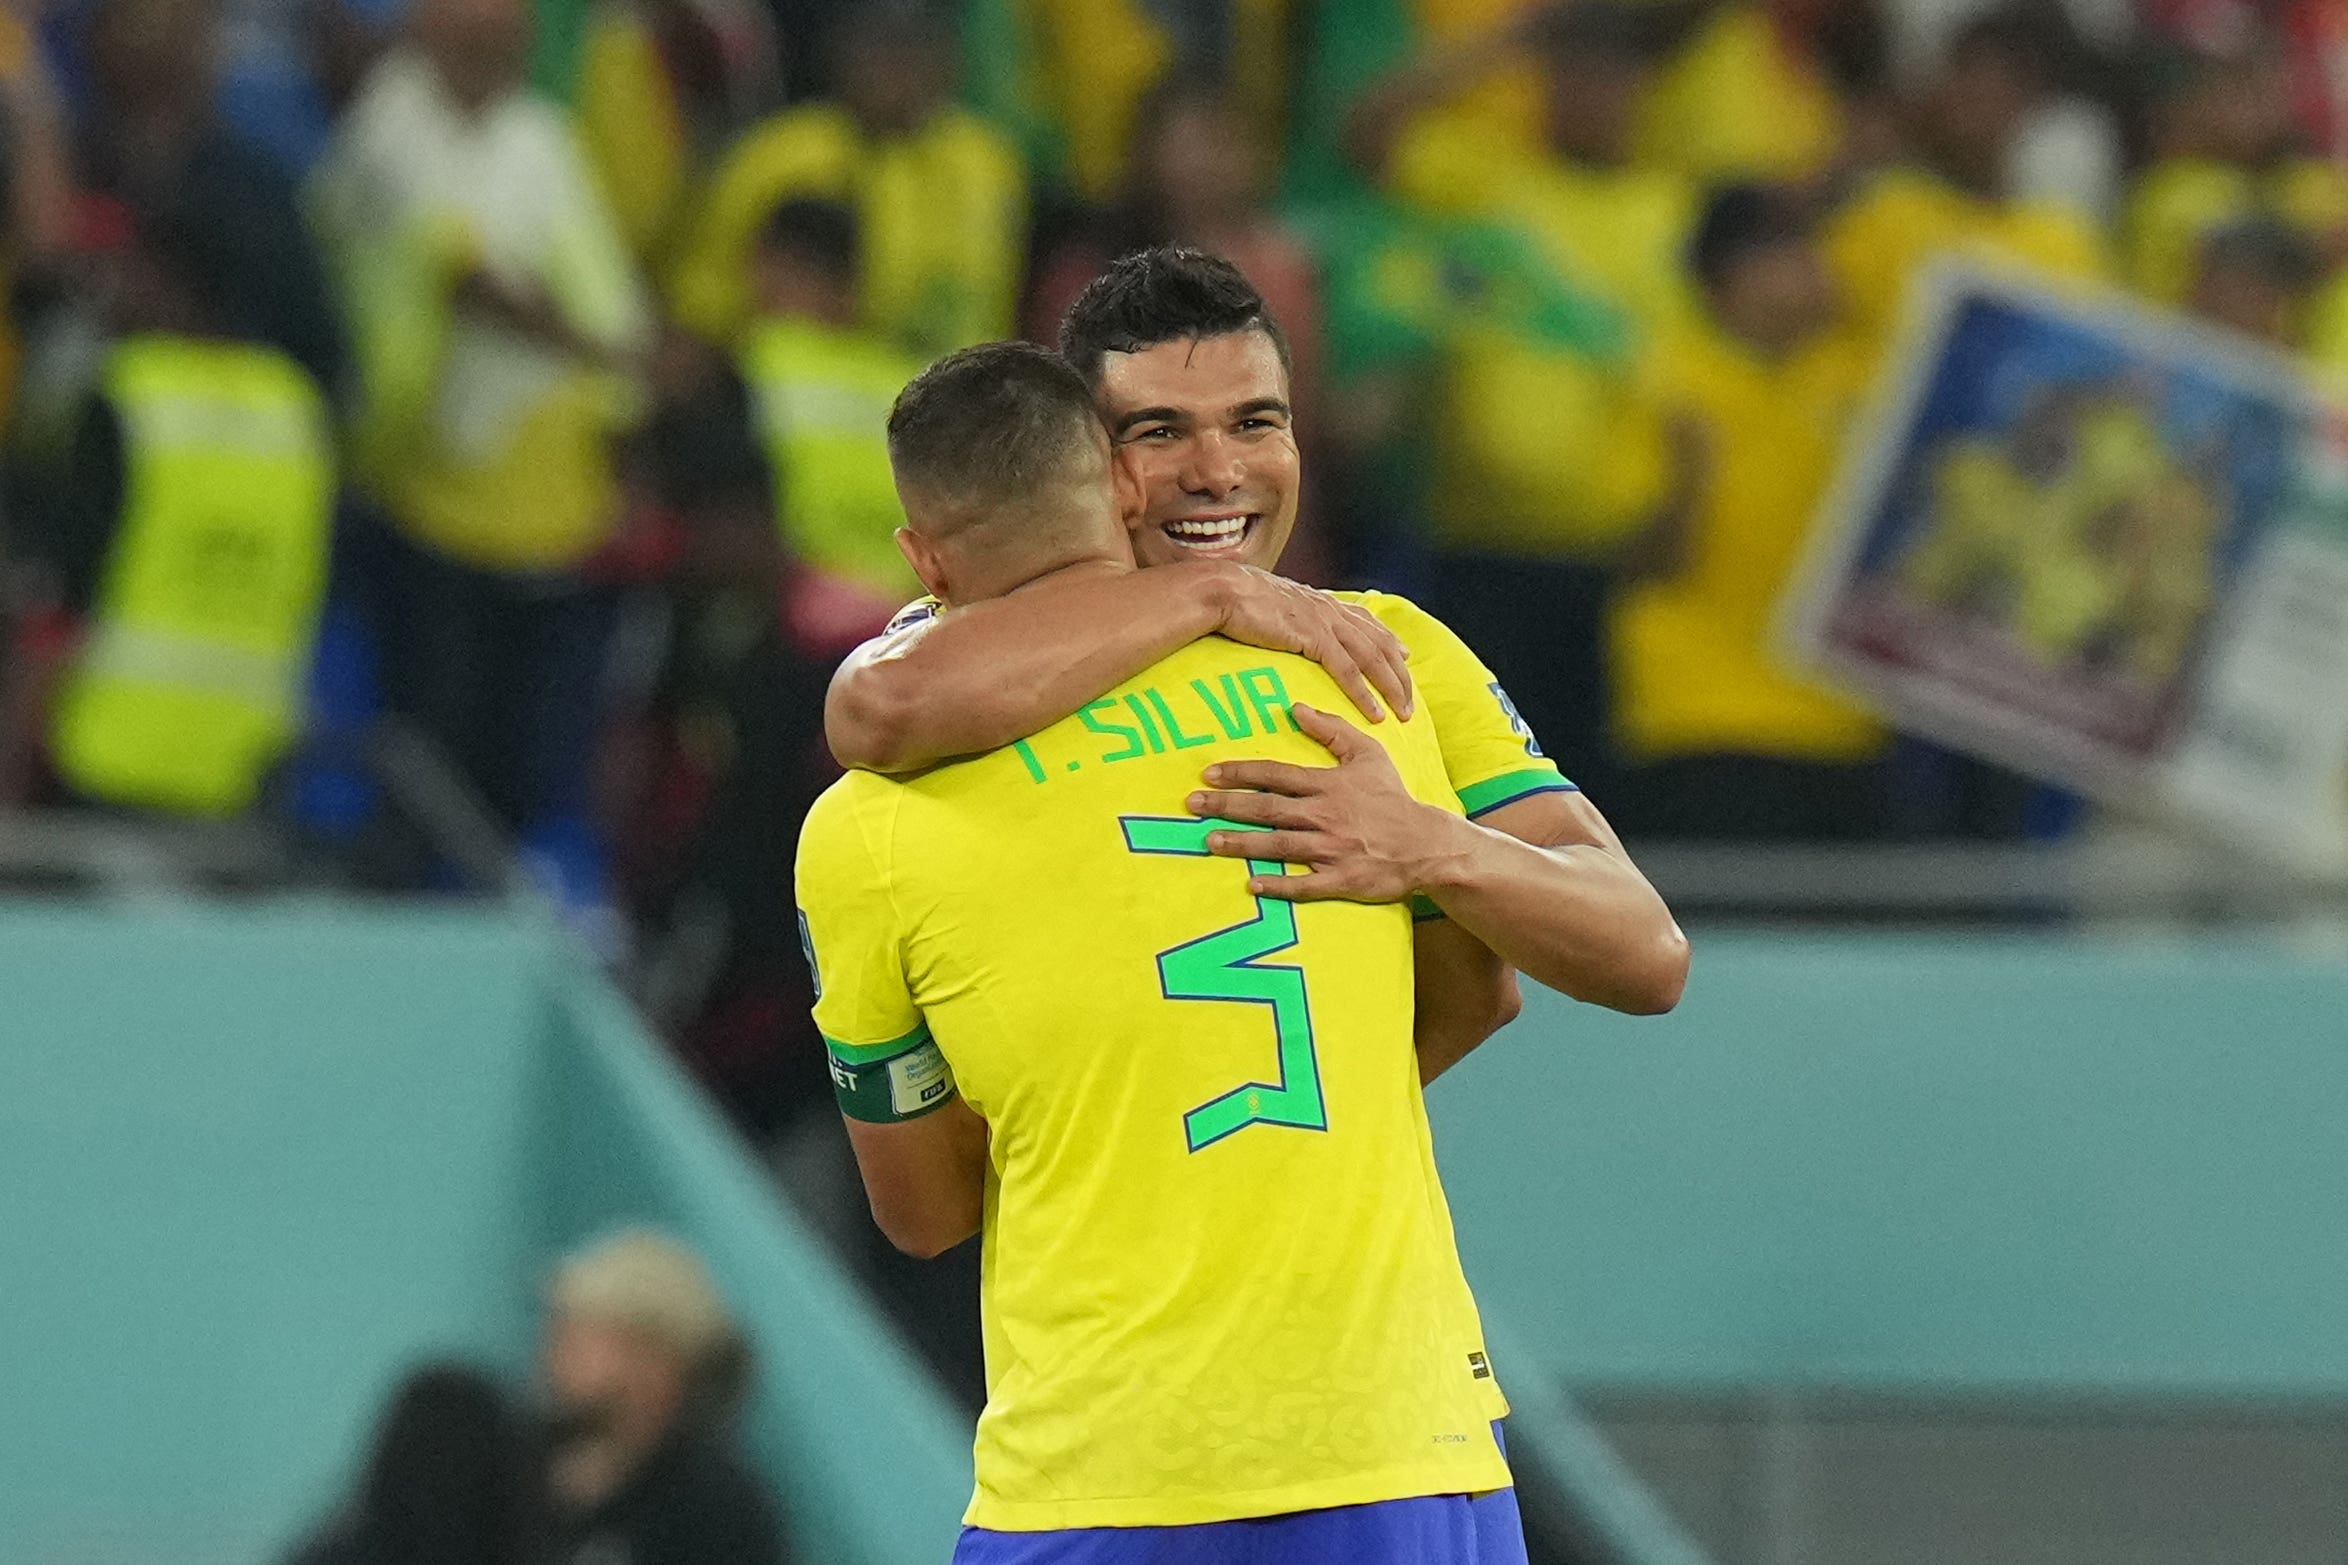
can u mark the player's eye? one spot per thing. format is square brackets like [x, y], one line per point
[1159, 432]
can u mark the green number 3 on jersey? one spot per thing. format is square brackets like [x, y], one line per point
[1228, 966]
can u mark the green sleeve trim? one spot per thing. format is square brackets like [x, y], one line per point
[1508, 787]
[876, 1053]
[1424, 910]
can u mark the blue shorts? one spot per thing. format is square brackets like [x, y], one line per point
[1438, 1529]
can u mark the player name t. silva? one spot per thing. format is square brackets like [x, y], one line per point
[1152, 721]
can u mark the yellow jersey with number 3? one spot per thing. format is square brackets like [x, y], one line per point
[1218, 1278]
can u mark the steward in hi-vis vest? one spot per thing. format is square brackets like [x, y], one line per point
[189, 682]
[819, 390]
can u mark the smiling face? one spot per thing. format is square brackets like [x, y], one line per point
[1202, 428]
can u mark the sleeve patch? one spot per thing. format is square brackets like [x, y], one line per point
[884, 1084]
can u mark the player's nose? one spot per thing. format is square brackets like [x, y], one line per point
[1216, 468]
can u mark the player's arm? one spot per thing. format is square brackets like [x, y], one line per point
[987, 674]
[921, 1150]
[1465, 994]
[1542, 880]
[925, 1178]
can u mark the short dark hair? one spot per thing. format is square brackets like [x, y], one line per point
[1163, 295]
[824, 234]
[991, 425]
[1738, 220]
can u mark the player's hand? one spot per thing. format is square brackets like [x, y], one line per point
[1354, 824]
[1365, 658]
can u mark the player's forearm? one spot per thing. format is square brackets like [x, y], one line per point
[1579, 918]
[925, 1178]
[991, 673]
[1464, 994]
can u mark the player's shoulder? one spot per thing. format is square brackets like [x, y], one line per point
[850, 825]
[1434, 646]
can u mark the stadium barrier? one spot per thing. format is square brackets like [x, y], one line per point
[255, 1162]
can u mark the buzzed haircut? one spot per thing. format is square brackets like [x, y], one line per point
[990, 425]
[1158, 296]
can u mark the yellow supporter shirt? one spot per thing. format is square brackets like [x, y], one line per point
[632, 128]
[1885, 237]
[1540, 448]
[2179, 202]
[1218, 1278]
[944, 224]
[1695, 666]
[1738, 103]
[1617, 232]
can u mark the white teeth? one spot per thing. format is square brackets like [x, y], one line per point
[1223, 529]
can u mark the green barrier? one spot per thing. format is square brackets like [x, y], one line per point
[254, 1163]
[1944, 1165]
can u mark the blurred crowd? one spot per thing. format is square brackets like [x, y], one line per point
[510, 374]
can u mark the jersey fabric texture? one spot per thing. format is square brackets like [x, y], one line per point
[1218, 1278]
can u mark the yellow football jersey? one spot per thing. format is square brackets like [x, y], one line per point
[1218, 1277]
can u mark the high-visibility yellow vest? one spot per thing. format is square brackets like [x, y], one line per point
[821, 397]
[190, 681]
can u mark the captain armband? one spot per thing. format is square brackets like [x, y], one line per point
[888, 1083]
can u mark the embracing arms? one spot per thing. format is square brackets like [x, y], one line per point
[990, 673]
[1544, 881]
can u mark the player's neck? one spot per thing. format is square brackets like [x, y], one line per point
[1101, 565]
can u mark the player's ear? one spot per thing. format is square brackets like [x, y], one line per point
[923, 556]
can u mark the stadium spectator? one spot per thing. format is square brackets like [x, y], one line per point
[2227, 151]
[782, 473]
[646, 1370]
[1732, 744]
[1608, 222]
[183, 538]
[940, 192]
[1195, 178]
[500, 327]
[454, 1479]
[155, 142]
[1765, 89]
[1954, 196]
[1542, 463]
[664, 86]
[2257, 277]
[820, 389]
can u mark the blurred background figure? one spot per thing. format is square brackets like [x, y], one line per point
[154, 140]
[456, 1477]
[184, 535]
[1730, 745]
[779, 466]
[664, 86]
[1541, 464]
[1956, 193]
[940, 193]
[2258, 277]
[646, 1371]
[502, 329]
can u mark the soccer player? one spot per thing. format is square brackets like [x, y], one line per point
[1189, 371]
[1223, 1313]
